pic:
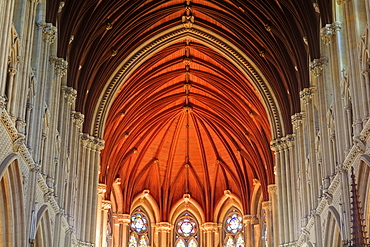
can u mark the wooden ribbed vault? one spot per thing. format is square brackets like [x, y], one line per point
[187, 118]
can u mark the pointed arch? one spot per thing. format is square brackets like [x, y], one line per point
[166, 38]
[332, 230]
[227, 201]
[12, 220]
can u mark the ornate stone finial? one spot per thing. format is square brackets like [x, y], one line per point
[317, 66]
[114, 52]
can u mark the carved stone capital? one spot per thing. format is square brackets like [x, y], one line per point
[267, 205]
[12, 71]
[60, 65]
[297, 119]
[317, 66]
[249, 219]
[106, 205]
[102, 188]
[210, 227]
[77, 118]
[86, 140]
[124, 219]
[306, 95]
[329, 31]
[49, 31]
[70, 94]
[272, 189]
[163, 227]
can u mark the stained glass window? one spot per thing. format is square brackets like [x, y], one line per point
[233, 229]
[186, 231]
[132, 241]
[139, 229]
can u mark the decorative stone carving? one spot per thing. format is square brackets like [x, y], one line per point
[272, 189]
[306, 95]
[60, 65]
[106, 205]
[210, 227]
[317, 66]
[164, 227]
[102, 188]
[77, 118]
[70, 94]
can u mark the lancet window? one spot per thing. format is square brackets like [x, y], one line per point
[139, 229]
[233, 229]
[186, 231]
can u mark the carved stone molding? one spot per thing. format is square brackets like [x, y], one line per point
[48, 30]
[70, 94]
[317, 66]
[77, 118]
[60, 65]
[267, 205]
[272, 189]
[210, 227]
[249, 219]
[297, 119]
[164, 227]
[86, 140]
[102, 188]
[124, 219]
[106, 205]
[329, 31]
[306, 95]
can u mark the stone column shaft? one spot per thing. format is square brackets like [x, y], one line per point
[272, 190]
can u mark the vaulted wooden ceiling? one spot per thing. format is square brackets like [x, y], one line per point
[187, 119]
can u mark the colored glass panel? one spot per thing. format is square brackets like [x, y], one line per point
[229, 242]
[193, 243]
[142, 242]
[138, 222]
[180, 243]
[132, 242]
[239, 241]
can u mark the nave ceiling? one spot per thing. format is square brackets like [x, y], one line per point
[166, 87]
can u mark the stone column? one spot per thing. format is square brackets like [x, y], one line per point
[164, 234]
[248, 221]
[272, 190]
[106, 205]
[124, 227]
[210, 231]
[102, 188]
[277, 147]
[266, 219]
